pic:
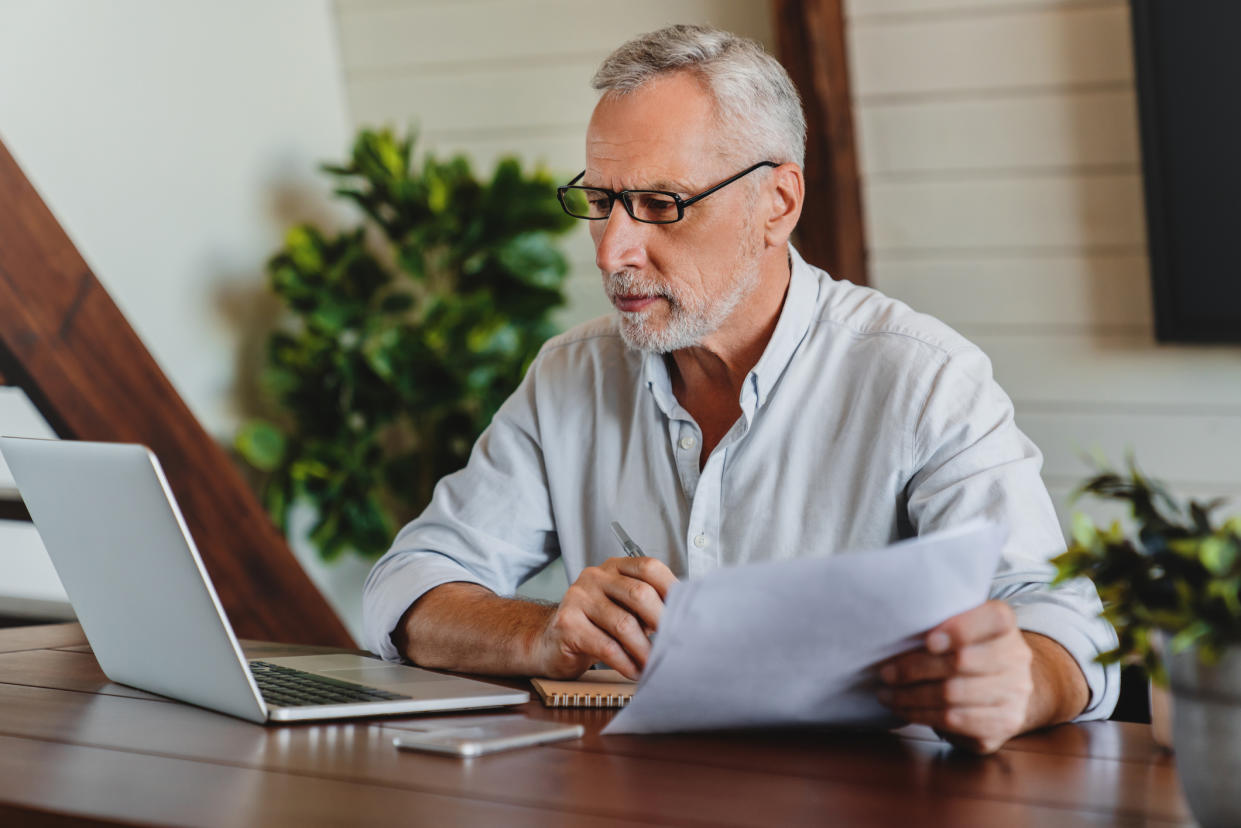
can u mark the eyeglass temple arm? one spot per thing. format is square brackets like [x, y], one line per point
[724, 183]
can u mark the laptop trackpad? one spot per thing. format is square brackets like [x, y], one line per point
[384, 674]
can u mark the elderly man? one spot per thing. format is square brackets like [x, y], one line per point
[740, 406]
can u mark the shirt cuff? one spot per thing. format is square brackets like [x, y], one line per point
[1067, 628]
[393, 587]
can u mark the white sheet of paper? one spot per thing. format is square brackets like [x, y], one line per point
[797, 642]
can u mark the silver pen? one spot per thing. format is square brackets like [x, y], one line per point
[631, 548]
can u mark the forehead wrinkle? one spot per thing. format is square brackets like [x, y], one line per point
[667, 184]
[611, 154]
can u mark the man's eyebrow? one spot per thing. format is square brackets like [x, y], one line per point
[670, 186]
[660, 184]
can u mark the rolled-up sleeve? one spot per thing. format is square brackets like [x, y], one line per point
[489, 524]
[971, 460]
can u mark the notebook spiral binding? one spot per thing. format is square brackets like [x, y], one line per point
[586, 700]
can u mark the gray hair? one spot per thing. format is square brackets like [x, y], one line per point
[756, 105]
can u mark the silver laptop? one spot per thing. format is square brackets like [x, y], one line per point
[134, 576]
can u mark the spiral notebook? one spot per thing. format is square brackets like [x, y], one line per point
[595, 688]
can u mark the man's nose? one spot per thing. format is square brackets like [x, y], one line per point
[621, 243]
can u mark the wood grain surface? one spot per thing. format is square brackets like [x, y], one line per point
[74, 744]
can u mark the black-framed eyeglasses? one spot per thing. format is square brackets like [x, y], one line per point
[649, 206]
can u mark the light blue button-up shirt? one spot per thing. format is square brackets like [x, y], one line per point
[863, 422]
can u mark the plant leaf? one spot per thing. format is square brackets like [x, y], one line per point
[261, 444]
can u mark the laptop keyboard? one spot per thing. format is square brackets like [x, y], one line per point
[286, 687]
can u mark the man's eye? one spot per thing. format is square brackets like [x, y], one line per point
[657, 203]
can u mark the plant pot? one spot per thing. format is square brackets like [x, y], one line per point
[1206, 728]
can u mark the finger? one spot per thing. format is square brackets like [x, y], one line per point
[637, 596]
[983, 622]
[980, 729]
[986, 658]
[599, 646]
[652, 571]
[959, 691]
[621, 626]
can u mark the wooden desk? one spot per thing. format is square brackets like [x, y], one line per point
[74, 746]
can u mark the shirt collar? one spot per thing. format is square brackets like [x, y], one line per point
[655, 372]
[795, 317]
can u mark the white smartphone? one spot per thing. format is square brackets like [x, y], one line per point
[488, 737]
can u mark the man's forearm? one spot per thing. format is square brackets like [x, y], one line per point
[1060, 690]
[466, 627]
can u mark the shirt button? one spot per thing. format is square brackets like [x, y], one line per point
[701, 541]
[687, 442]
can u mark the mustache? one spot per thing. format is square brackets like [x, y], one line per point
[630, 283]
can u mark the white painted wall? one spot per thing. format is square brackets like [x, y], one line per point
[175, 142]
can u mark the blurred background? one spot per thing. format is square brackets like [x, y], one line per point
[1001, 184]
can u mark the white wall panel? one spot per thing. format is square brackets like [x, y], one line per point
[1067, 292]
[1182, 449]
[1051, 211]
[562, 151]
[1050, 130]
[413, 35]
[478, 98]
[859, 11]
[1114, 373]
[1047, 47]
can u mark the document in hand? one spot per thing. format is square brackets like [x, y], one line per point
[797, 642]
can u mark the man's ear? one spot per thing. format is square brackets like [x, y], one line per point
[786, 198]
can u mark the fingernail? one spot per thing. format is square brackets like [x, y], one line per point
[888, 674]
[938, 642]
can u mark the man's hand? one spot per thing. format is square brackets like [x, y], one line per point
[973, 682]
[606, 615]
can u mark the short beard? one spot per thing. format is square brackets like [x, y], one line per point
[691, 316]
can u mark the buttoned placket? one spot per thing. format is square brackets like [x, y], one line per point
[705, 489]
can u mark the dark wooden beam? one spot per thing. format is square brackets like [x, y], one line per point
[831, 234]
[14, 510]
[65, 342]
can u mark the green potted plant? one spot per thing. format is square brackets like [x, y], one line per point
[1172, 590]
[402, 337]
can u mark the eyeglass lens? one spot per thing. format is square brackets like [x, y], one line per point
[642, 204]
